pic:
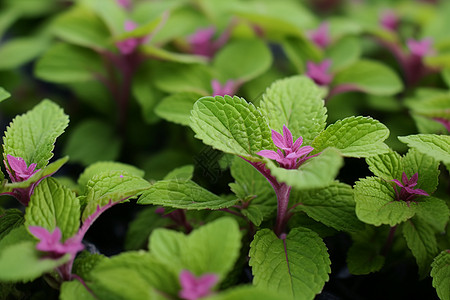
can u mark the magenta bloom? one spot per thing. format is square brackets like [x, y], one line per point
[124, 3]
[319, 72]
[320, 36]
[407, 192]
[290, 154]
[389, 20]
[420, 48]
[129, 45]
[51, 242]
[229, 88]
[202, 41]
[193, 288]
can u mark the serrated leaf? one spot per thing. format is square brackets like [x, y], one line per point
[85, 262]
[142, 226]
[31, 136]
[434, 211]
[212, 248]
[183, 194]
[229, 63]
[317, 172]
[181, 173]
[354, 137]
[441, 274]
[19, 51]
[387, 166]
[73, 290]
[53, 205]
[297, 266]
[112, 186]
[134, 275]
[333, 206]
[92, 141]
[22, 262]
[433, 145]
[177, 107]
[427, 167]
[103, 166]
[231, 125]
[4, 94]
[297, 103]
[422, 242]
[376, 204]
[371, 77]
[10, 219]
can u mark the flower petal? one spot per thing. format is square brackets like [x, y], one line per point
[277, 139]
[269, 154]
[288, 140]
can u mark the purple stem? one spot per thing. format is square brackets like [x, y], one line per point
[389, 241]
[84, 284]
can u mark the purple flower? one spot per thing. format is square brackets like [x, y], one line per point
[407, 192]
[193, 288]
[420, 48]
[202, 41]
[320, 36]
[229, 88]
[51, 242]
[290, 154]
[319, 72]
[129, 45]
[389, 20]
[124, 3]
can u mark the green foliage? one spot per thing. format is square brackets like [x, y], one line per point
[32, 136]
[177, 107]
[184, 194]
[387, 166]
[248, 293]
[10, 219]
[19, 51]
[344, 53]
[72, 290]
[4, 94]
[434, 212]
[430, 144]
[297, 266]
[441, 274]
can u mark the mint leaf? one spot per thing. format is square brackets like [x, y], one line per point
[103, 166]
[354, 137]
[333, 206]
[441, 274]
[345, 52]
[10, 219]
[181, 173]
[111, 186]
[167, 246]
[426, 166]
[297, 103]
[183, 194]
[376, 204]
[53, 205]
[73, 290]
[31, 136]
[85, 262]
[177, 107]
[433, 145]
[20, 51]
[145, 93]
[387, 166]
[434, 212]
[92, 141]
[317, 172]
[229, 62]
[297, 266]
[422, 242]
[371, 77]
[4, 94]
[231, 125]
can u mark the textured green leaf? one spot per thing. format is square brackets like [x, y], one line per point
[426, 166]
[344, 53]
[435, 106]
[317, 172]
[181, 173]
[364, 256]
[22, 262]
[31, 136]
[4, 94]
[66, 63]
[387, 166]
[354, 137]
[297, 266]
[73, 290]
[10, 219]
[297, 103]
[183, 194]
[437, 146]
[333, 206]
[85, 262]
[231, 125]
[134, 275]
[434, 211]
[53, 205]
[112, 186]
[422, 242]
[371, 77]
[19, 51]
[376, 204]
[81, 26]
[142, 226]
[177, 107]
[248, 293]
[92, 141]
[441, 274]
[229, 63]
[103, 166]
[212, 248]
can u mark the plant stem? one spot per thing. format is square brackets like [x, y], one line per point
[389, 241]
